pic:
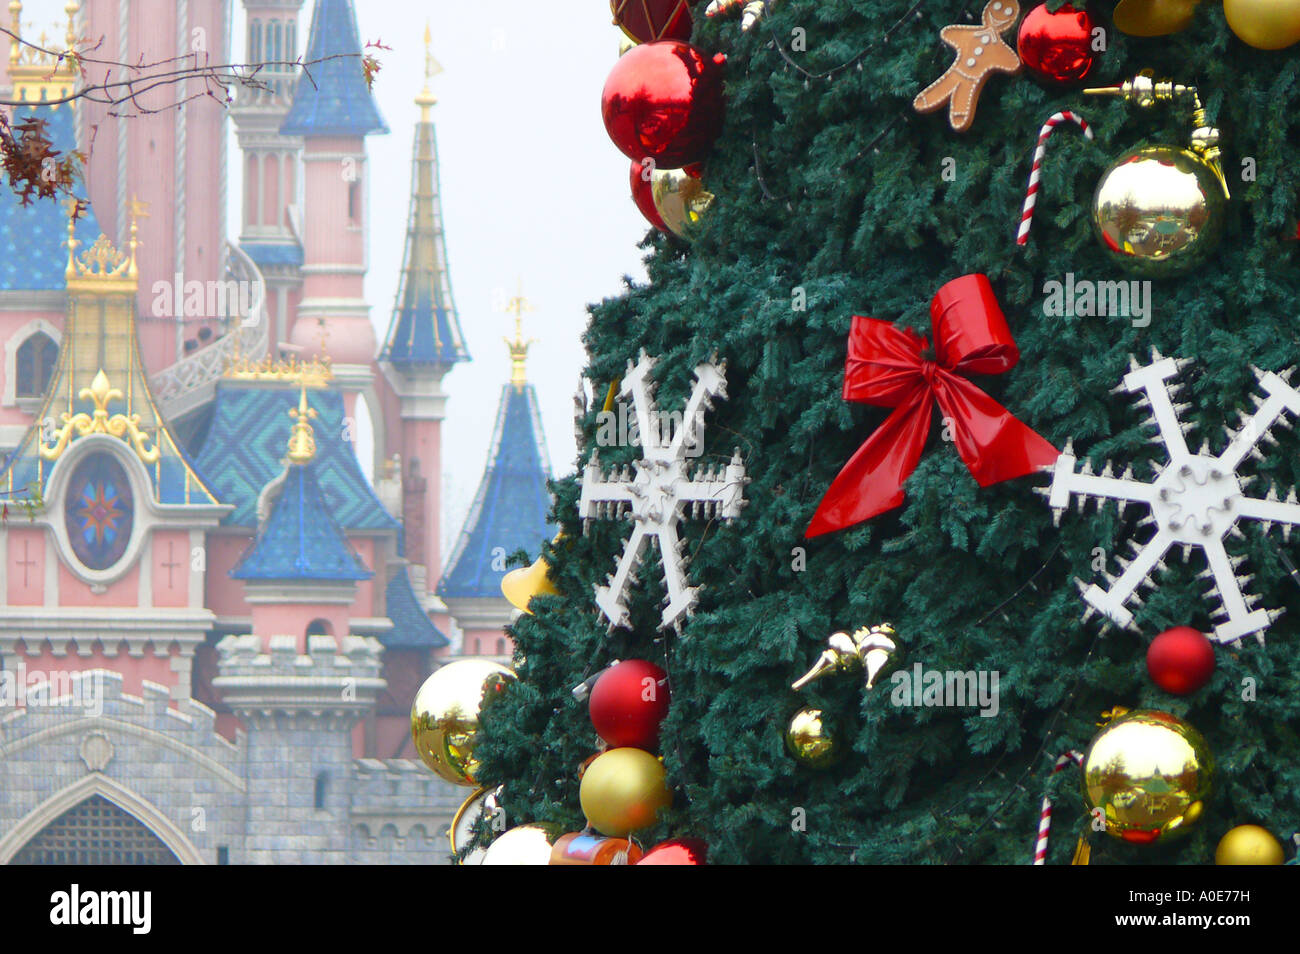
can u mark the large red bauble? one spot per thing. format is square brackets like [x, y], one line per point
[643, 196]
[1180, 660]
[1057, 47]
[627, 704]
[679, 851]
[647, 20]
[663, 101]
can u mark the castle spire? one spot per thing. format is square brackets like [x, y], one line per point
[426, 100]
[424, 334]
[334, 100]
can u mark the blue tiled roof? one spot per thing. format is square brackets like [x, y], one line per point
[263, 254]
[412, 628]
[33, 235]
[300, 541]
[245, 447]
[425, 329]
[510, 508]
[334, 100]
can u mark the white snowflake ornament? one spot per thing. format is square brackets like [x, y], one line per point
[1195, 500]
[658, 494]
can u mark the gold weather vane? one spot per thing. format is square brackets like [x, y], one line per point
[432, 68]
[518, 347]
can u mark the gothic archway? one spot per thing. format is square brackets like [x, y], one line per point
[95, 832]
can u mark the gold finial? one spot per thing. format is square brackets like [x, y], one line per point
[102, 268]
[518, 347]
[432, 68]
[302, 442]
[40, 77]
[16, 28]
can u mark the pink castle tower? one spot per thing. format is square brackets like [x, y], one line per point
[272, 219]
[333, 113]
[172, 160]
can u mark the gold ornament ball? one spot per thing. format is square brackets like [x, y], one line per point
[623, 790]
[525, 845]
[1249, 845]
[1150, 773]
[812, 740]
[1154, 17]
[1264, 24]
[682, 202]
[444, 717]
[1159, 211]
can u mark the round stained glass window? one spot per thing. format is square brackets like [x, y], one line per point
[99, 511]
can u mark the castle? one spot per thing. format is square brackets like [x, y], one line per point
[212, 623]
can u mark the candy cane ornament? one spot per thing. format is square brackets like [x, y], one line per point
[1031, 195]
[1045, 815]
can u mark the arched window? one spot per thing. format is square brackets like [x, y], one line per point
[273, 34]
[354, 201]
[320, 627]
[255, 41]
[501, 647]
[290, 41]
[34, 365]
[322, 789]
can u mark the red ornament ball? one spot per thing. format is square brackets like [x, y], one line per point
[627, 704]
[1057, 47]
[1180, 660]
[663, 101]
[643, 195]
[647, 20]
[679, 851]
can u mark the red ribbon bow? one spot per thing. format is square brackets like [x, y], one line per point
[887, 367]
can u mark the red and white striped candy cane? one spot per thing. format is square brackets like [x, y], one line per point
[1045, 816]
[1031, 195]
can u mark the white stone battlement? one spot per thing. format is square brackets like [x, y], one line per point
[94, 701]
[402, 786]
[327, 656]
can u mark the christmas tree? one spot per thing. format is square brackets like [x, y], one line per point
[834, 197]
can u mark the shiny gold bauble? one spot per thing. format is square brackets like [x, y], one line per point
[484, 803]
[444, 718]
[1159, 211]
[623, 790]
[812, 740]
[520, 585]
[682, 202]
[525, 845]
[1264, 24]
[1150, 774]
[1154, 17]
[1249, 845]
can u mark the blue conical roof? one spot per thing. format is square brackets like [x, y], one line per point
[510, 509]
[300, 541]
[425, 331]
[332, 98]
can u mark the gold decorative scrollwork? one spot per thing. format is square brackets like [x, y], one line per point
[82, 424]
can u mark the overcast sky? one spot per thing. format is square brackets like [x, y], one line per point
[532, 190]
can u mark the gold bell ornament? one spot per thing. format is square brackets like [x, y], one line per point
[1159, 210]
[870, 649]
[520, 585]
[1149, 774]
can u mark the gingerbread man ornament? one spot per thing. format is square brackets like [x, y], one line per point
[980, 53]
